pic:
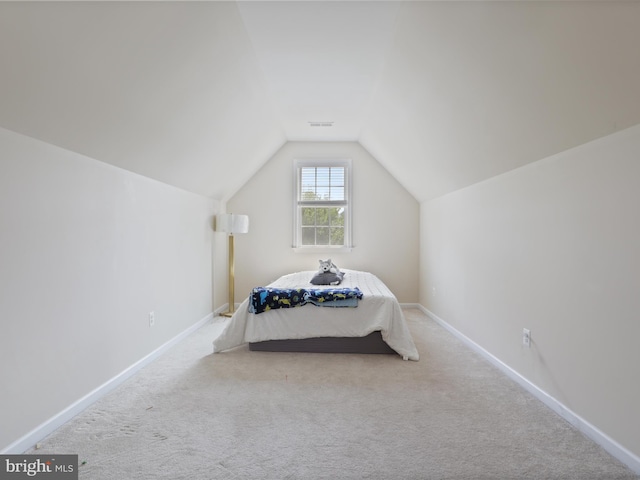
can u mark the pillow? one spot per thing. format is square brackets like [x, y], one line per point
[327, 278]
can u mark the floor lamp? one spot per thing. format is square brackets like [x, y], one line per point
[231, 224]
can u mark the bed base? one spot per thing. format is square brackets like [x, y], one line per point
[372, 343]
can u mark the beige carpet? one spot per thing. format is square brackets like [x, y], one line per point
[252, 415]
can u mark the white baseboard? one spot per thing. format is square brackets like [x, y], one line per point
[602, 439]
[33, 437]
[411, 305]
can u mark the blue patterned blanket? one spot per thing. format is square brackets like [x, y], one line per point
[263, 299]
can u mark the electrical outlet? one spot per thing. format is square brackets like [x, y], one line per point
[433, 291]
[526, 337]
[152, 319]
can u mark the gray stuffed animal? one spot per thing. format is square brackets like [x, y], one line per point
[328, 266]
[328, 274]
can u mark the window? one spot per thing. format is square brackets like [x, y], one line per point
[322, 216]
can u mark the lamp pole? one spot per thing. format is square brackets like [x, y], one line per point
[232, 305]
[231, 224]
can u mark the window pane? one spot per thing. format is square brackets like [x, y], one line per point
[336, 216]
[308, 216]
[308, 236]
[322, 216]
[337, 236]
[323, 176]
[322, 193]
[309, 195]
[337, 183]
[322, 236]
[308, 178]
[337, 193]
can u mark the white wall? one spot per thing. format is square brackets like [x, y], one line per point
[554, 247]
[385, 222]
[87, 251]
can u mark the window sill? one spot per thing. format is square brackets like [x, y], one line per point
[323, 249]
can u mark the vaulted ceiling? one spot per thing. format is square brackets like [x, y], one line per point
[201, 94]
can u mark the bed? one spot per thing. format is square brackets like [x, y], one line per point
[375, 325]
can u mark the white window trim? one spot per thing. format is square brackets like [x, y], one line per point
[348, 238]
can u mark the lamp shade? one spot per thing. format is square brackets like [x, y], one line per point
[232, 223]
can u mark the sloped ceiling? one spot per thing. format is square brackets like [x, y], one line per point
[200, 94]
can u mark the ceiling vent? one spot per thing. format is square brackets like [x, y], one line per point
[321, 124]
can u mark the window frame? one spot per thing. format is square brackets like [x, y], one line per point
[298, 204]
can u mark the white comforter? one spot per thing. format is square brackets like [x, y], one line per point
[378, 310]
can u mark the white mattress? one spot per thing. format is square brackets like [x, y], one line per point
[378, 310]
